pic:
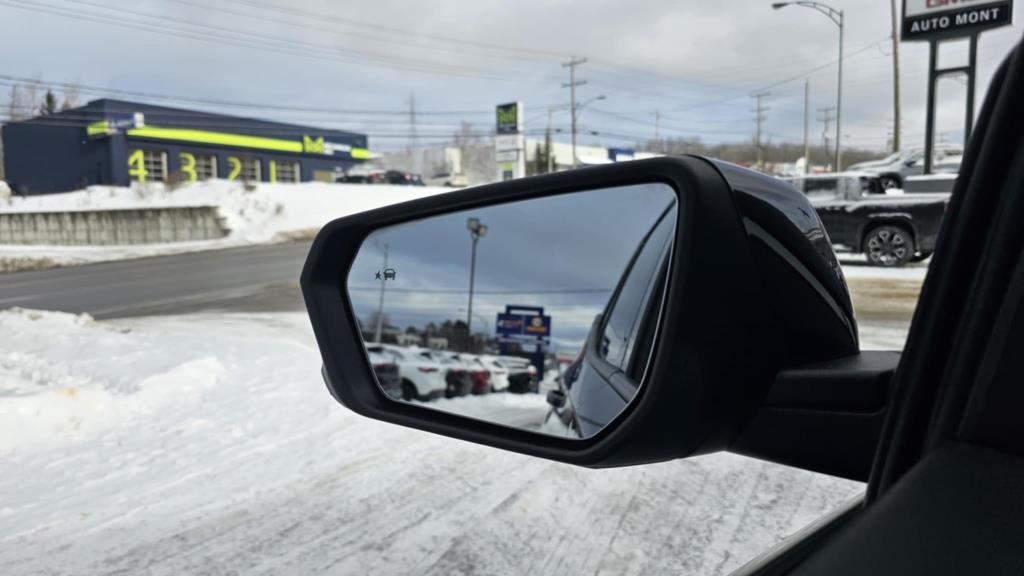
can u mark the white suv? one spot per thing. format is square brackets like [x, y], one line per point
[422, 378]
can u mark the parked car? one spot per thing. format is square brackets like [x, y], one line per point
[421, 378]
[387, 374]
[479, 373]
[499, 372]
[522, 375]
[458, 376]
[401, 178]
[448, 180]
[894, 169]
[365, 175]
[859, 216]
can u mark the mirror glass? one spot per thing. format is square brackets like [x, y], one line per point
[537, 314]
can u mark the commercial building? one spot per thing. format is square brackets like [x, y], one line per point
[116, 142]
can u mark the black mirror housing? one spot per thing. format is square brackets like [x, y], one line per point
[746, 248]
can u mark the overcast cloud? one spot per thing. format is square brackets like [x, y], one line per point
[562, 253]
[696, 62]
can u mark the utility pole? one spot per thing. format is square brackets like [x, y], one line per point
[895, 79]
[573, 83]
[807, 126]
[759, 117]
[657, 125]
[547, 143]
[379, 331]
[413, 137]
[826, 117]
[839, 96]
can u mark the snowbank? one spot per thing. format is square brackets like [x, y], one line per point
[264, 213]
[208, 444]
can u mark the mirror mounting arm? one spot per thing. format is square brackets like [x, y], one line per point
[826, 417]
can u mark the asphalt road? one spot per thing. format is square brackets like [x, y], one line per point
[250, 279]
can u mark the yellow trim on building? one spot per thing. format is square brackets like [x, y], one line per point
[306, 146]
[98, 128]
[218, 138]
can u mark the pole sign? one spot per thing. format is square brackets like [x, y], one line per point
[522, 322]
[508, 118]
[509, 143]
[528, 327]
[938, 19]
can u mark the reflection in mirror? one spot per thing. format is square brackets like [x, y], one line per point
[539, 314]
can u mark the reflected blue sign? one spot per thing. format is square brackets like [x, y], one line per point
[522, 322]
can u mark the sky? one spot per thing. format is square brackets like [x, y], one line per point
[356, 65]
[560, 253]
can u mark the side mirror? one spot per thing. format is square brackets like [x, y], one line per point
[556, 398]
[708, 280]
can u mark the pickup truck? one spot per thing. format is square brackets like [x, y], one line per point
[890, 227]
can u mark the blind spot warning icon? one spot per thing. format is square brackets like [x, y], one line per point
[388, 274]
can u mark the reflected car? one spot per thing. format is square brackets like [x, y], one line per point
[590, 393]
[387, 374]
[421, 378]
[479, 373]
[499, 372]
[457, 375]
[522, 375]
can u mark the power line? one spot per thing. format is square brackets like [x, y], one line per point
[227, 36]
[233, 103]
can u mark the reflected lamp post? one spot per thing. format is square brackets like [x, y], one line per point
[476, 232]
[379, 330]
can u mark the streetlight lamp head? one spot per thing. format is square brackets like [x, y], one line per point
[602, 97]
[482, 230]
[777, 5]
[472, 224]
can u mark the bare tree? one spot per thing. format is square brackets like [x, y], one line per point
[71, 94]
[15, 109]
[30, 100]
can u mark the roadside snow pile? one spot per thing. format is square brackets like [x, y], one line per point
[208, 444]
[264, 213]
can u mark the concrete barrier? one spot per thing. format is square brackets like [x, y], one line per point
[108, 227]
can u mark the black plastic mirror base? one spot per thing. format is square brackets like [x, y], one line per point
[826, 417]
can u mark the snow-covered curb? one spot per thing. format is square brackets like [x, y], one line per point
[260, 214]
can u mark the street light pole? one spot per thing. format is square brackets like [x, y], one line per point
[476, 232]
[838, 18]
[896, 144]
[839, 97]
[807, 126]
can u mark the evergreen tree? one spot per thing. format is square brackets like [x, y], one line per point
[49, 105]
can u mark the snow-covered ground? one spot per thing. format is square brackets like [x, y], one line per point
[207, 444]
[265, 213]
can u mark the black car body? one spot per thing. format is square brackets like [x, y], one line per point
[892, 229]
[599, 384]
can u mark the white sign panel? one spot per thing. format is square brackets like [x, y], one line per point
[934, 19]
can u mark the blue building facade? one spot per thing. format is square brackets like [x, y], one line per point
[115, 142]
